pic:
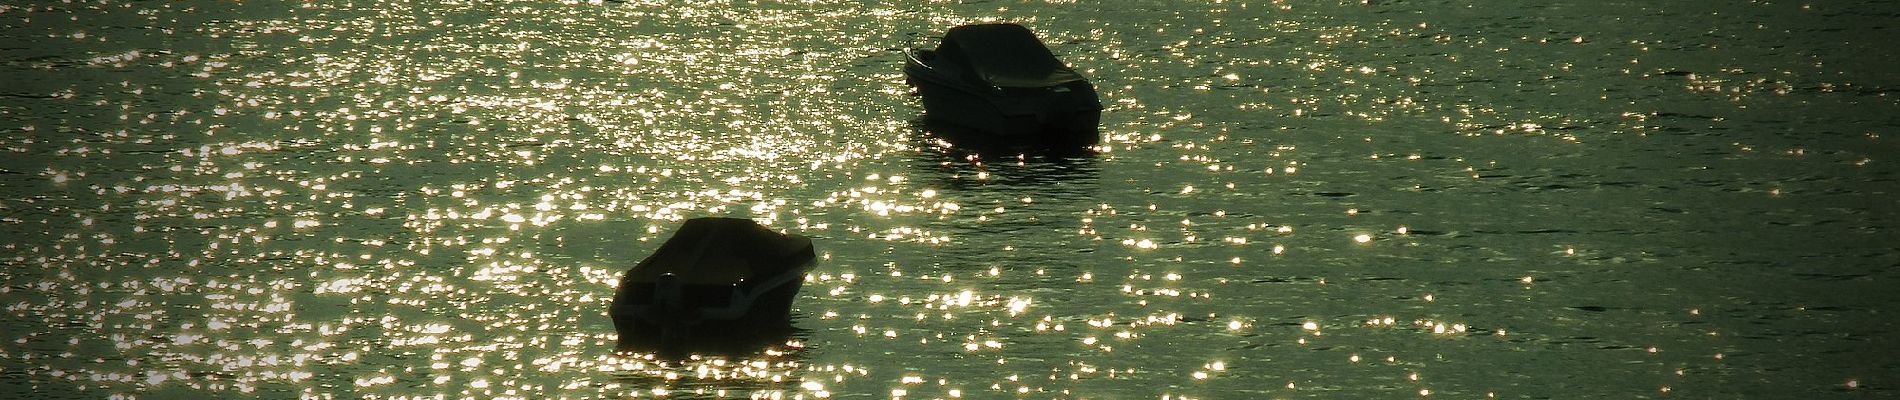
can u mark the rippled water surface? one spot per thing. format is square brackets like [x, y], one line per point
[1293, 199]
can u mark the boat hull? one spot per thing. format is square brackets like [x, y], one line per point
[657, 325]
[1068, 112]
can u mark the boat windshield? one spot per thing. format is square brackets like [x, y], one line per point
[722, 251]
[1005, 55]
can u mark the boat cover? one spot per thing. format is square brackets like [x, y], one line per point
[722, 251]
[1005, 55]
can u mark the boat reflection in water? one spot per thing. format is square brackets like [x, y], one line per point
[721, 284]
[957, 157]
[747, 362]
[1001, 80]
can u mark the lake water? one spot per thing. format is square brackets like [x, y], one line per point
[1293, 199]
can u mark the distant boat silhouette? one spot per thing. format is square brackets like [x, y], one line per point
[713, 275]
[1001, 80]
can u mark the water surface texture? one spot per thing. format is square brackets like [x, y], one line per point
[1292, 199]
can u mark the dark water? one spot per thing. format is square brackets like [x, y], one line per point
[1384, 199]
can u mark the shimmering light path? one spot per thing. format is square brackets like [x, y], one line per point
[1360, 199]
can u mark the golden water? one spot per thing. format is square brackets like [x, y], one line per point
[335, 199]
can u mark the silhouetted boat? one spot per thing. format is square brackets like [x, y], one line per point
[714, 274]
[1001, 79]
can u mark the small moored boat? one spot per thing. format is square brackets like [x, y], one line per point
[1001, 79]
[713, 272]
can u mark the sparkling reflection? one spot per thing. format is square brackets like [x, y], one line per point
[1334, 199]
